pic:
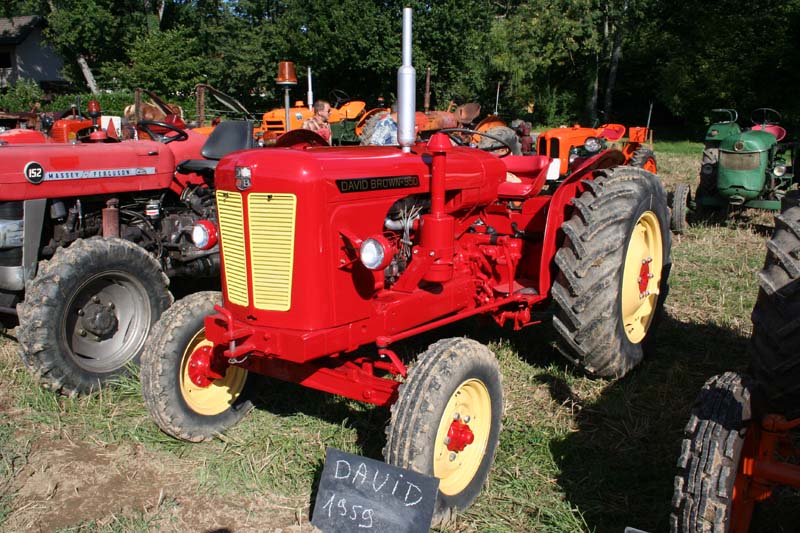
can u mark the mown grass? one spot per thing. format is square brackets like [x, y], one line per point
[575, 454]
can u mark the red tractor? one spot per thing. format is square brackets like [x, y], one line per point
[740, 443]
[91, 232]
[326, 250]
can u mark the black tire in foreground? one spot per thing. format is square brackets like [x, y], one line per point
[612, 271]
[679, 220]
[455, 384]
[179, 406]
[710, 455]
[88, 312]
[775, 343]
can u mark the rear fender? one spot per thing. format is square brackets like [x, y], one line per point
[561, 208]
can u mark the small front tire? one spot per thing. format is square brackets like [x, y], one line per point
[680, 207]
[181, 408]
[455, 384]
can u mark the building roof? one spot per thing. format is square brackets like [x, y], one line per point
[14, 30]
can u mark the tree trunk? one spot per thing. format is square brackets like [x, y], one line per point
[87, 74]
[593, 88]
[616, 54]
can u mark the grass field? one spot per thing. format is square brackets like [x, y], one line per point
[576, 454]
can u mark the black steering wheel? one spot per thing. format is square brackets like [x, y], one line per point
[767, 115]
[145, 125]
[338, 97]
[501, 144]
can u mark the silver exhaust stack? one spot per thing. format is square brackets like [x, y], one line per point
[406, 90]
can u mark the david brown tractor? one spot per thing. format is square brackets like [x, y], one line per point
[750, 168]
[326, 250]
[740, 443]
[91, 231]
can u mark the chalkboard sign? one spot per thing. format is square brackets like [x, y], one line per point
[360, 494]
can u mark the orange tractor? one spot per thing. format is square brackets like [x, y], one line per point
[738, 445]
[571, 146]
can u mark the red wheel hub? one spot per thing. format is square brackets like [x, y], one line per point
[201, 370]
[644, 276]
[459, 436]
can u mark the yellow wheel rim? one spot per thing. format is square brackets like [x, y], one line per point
[220, 394]
[641, 278]
[472, 405]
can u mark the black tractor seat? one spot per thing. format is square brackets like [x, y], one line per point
[228, 136]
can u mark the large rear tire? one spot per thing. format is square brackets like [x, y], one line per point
[88, 312]
[711, 453]
[455, 384]
[775, 343]
[613, 269]
[179, 406]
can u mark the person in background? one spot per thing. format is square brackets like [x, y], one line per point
[318, 122]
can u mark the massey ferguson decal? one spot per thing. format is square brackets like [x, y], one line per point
[36, 174]
[377, 184]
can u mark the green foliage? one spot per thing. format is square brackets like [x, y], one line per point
[21, 96]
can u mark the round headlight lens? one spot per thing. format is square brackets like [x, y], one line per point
[779, 170]
[592, 144]
[372, 254]
[204, 235]
[738, 145]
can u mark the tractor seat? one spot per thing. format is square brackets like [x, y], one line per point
[228, 136]
[774, 129]
[525, 177]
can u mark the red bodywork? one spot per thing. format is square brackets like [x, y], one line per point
[99, 168]
[769, 458]
[458, 267]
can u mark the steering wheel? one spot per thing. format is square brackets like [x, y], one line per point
[501, 144]
[338, 97]
[145, 125]
[767, 115]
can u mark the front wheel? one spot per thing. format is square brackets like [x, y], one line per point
[612, 271]
[446, 421]
[182, 398]
[88, 312]
[644, 157]
[710, 489]
[680, 208]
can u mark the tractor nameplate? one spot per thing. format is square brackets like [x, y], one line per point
[234, 253]
[271, 232]
[34, 173]
[380, 183]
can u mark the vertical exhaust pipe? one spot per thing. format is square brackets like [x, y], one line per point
[406, 90]
[310, 93]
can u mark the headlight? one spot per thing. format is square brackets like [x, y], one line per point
[243, 180]
[707, 169]
[204, 235]
[738, 145]
[376, 253]
[779, 170]
[572, 158]
[592, 144]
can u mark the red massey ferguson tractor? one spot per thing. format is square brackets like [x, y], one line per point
[328, 249]
[89, 234]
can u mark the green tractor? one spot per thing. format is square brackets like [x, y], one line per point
[748, 168]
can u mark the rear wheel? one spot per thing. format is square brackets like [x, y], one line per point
[645, 158]
[88, 312]
[709, 487]
[446, 421]
[680, 208]
[181, 397]
[613, 270]
[775, 359]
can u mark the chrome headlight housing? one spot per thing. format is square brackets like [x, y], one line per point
[592, 145]
[376, 253]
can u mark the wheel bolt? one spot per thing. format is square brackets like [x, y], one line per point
[639, 280]
[82, 332]
[456, 416]
[651, 275]
[452, 456]
[95, 299]
[446, 441]
[80, 312]
[466, 419]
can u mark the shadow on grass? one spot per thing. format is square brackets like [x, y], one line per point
[618, 468]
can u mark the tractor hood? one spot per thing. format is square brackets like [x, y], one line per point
[748, 141]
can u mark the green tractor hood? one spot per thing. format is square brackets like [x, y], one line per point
[743, 160]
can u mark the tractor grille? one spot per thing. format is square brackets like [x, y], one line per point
[231, 228]
[272, 220]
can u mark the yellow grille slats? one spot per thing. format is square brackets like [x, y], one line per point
[272, 222]
[231, 226]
